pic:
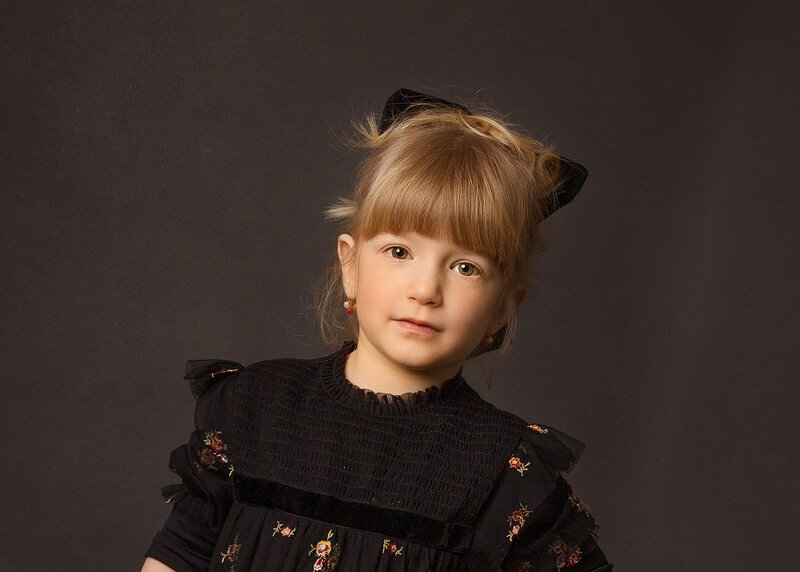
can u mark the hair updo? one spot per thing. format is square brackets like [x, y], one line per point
[441, 171]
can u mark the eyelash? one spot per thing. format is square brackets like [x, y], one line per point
[393, 250]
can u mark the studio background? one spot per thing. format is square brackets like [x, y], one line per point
[164, 169]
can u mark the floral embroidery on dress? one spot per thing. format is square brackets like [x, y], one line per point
[525, 566]
[283, 529]
[392, 548]
[327, 554]
[232, 554]
[538, 428]
[207, 458]
[214, 441]
[214, 451]
[516, 463]
[516, 521]
[566, 556]
[223, 371]
[579, 505]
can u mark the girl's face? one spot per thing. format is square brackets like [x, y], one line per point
[424, 304]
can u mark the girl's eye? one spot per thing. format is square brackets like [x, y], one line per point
[466, 269]
[398, 252]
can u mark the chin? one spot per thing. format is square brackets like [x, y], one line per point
[423, 363]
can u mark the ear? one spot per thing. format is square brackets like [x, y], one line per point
[507, 304]
[346, 248]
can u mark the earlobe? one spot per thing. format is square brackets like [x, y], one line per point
[346, 249]
[518, 295]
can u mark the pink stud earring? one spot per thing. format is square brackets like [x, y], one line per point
[350, 307]
[487, 340]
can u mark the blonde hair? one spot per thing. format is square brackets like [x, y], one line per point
[441, 171]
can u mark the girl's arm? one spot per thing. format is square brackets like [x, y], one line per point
[200, 503]
[153, 565]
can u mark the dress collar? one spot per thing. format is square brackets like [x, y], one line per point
[338, 386]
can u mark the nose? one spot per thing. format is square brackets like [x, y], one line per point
[425, 285]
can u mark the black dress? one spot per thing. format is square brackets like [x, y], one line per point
[291, 467]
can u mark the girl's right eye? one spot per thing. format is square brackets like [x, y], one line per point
[397, 252]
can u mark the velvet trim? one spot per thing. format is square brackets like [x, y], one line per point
[453, 537]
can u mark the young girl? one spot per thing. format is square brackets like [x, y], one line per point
[380, 456]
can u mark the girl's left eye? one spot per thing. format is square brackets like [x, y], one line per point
[397, 252]
[466, 269]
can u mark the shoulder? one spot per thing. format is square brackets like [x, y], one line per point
[209, 376]
[283, 368]
[481, 417]
[205, 374]
[552, 447]
[261, 382]
[225, 388]
[212, 383]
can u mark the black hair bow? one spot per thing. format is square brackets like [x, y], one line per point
[406, 101]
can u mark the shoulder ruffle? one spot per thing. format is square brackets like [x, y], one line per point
[204, 463]
[552, 446]
[204, 373]
[532, 506]
[213, 383]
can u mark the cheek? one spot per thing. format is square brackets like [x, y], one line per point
[366, 282]
[477, 310]
[373, 289]
[494, 309]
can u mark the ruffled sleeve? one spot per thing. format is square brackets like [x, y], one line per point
[202, 500]
[533, 520]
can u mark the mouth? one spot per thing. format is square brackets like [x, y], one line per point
[417, 326]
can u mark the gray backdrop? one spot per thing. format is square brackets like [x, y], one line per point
[164, 167]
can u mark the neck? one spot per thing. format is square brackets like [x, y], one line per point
[370, 370]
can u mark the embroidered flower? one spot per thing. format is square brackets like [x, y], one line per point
[283, 529]
[566, 556]
[516, 463]
[223, 371]
[392, 548]
[516, 520]
[207, 458]
[214, 451]
[327, 554]
[578, 504]
[232, 554]
[542, 430]
[519, 516]
[214, 440]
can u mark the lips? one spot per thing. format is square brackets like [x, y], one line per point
[417, 326]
